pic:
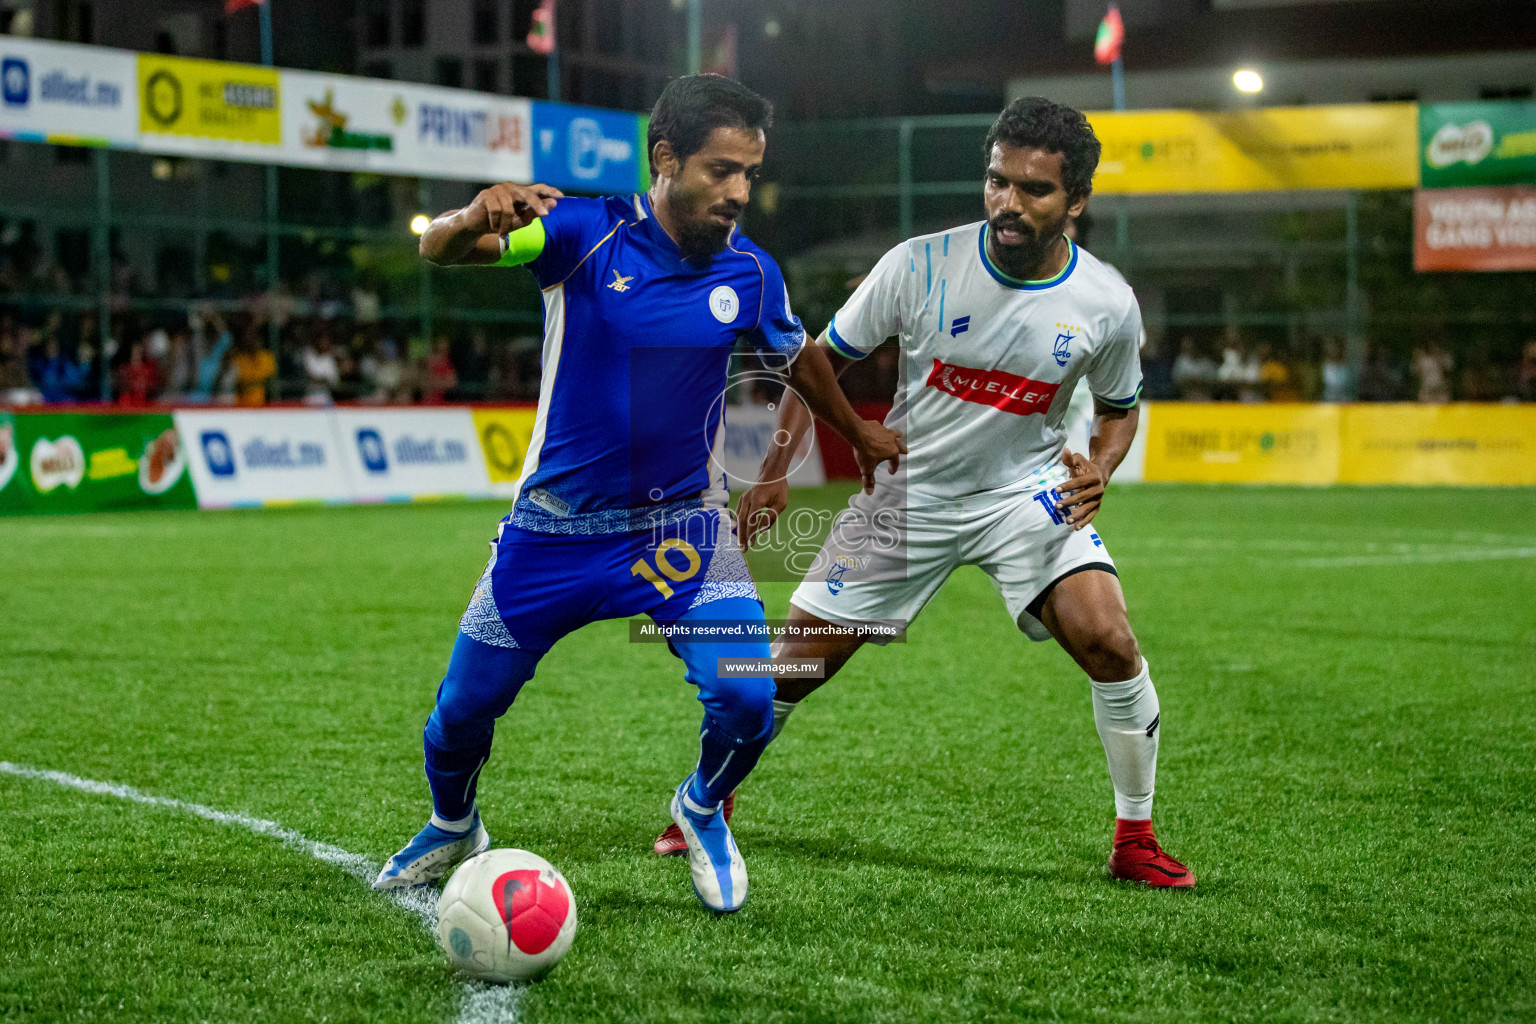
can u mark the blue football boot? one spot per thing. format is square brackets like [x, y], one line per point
[719, 873]
[431, 855]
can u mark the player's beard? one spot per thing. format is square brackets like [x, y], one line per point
[1022, 261]
[697, 235]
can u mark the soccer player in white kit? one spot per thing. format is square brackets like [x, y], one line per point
[998, 321]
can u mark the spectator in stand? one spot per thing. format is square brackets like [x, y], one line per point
[180, 365]
[1275, 377]
[15, 386]
[1193, 372]
[1157, 371]
[212, 360]
[1482, 380]
[1525, 373]
[441, 376]
[1338, 375]
[58, 377]
[1238, 375]
[384, 371]
[252, 367]
[138, 376]
[1432, 367]
[322, 374]
[474, 366]
[1381, 380]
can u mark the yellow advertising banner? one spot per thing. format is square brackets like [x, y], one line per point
[1486, 445]
[209, 99]
[504, 435]
[1216, 442]
[1365, 145]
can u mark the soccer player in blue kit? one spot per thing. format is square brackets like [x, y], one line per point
[620, 508]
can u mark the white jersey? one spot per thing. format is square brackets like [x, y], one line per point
[990, 361]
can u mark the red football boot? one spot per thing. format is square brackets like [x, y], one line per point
[1137, 858]
[671, 842]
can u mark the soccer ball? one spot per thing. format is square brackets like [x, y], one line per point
[506, 915]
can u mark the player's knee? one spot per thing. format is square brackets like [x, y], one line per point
[742, 708]
[1112, 655]
[481, 683]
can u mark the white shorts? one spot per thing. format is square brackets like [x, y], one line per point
[884, 565]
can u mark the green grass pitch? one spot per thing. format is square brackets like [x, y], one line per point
[1349, 737]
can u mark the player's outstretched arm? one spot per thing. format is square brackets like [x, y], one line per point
[1113, 431]
[763, 503]
[812, 376]
[473, 234]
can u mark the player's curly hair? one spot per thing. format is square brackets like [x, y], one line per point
[693, 106]
[1039, 123]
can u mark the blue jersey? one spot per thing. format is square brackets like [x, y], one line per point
[637, 347]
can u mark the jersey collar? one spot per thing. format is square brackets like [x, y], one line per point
[1013, 282]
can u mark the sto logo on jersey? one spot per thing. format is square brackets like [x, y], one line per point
[997, 388]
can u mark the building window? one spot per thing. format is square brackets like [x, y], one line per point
[450, 72]
[376, 23]
[487, 75]
[378, 69]
[485, 22]
[413, 23]
[528, 75]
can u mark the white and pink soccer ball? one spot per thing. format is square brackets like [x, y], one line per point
[506, 915]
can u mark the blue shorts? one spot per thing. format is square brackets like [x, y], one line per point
[538, 587]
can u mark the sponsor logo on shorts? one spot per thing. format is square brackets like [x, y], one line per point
[841, 563]
[996, 388]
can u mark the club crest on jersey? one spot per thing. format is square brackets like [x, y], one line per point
[1063, 351]
[724, 304]
[620, 283]
[841, 563]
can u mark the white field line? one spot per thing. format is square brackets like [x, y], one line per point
[479, 1003]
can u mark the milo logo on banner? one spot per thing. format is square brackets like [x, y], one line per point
[84, 463]
[1472, 144]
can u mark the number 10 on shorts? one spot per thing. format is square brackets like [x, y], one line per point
[668, 565]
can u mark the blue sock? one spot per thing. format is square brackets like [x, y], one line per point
[481, 683]
[723, 762]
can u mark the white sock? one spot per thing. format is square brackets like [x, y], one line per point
[1127, 717]
[781, 712]
[462, 825]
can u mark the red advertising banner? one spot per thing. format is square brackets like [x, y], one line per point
[1475, 228]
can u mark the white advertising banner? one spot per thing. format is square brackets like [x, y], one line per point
[411, 454]
[250, 458]
[346, 123]
[68, 94]
[749, 431]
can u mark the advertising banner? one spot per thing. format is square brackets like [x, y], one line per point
[749, 431]
[350, 123]
[1223, 442]
[1367, 145]
[1491, 143]
[74, 463]
[1471, 444]
[504, 436]
[209, 108]
[68, 94]
[251, 458]
[411, 454]
[588, 149]
[1475, 228]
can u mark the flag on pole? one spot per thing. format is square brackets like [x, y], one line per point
[231, 6]
[722, 58]
[1106, 45]
[541, 37]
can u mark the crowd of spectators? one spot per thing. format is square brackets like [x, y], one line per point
[213, 356]
[1241, 372]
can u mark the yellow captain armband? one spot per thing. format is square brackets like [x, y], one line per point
[523, 245]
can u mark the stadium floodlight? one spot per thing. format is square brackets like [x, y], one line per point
[420, 223]
[1247, 80]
